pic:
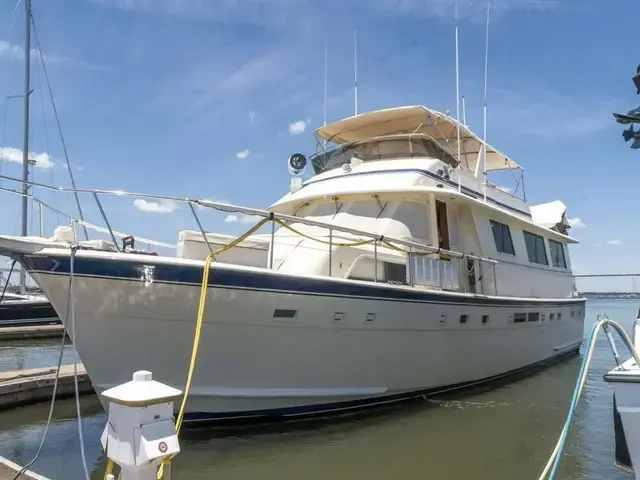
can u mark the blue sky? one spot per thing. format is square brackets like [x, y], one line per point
[208, 99]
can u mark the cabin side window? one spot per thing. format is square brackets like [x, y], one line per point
[395, 273]
[557, 254]
[502, 237]
[535, 248]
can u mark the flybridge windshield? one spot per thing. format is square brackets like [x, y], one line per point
[381, 149]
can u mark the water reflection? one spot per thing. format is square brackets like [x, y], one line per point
[505, 433]
[27, 354]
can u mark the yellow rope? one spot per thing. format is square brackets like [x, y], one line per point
[196, 338]
[199, 321]
[241, 238]
[194, 353]
[337, 244]
[393, 247]
[202, 304]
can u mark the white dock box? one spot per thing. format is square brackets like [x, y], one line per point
[253, 251]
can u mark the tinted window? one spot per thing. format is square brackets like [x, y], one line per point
[380, 149]
[557, 254]
[535, 248]
[395, 273]
[519, 317]
[502, 237]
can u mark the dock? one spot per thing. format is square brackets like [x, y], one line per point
[31, 331]
[8, 470]
[26, 387]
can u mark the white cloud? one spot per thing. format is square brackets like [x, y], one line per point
[576, 223]
[504, 189]
[614, 243]
[471, 9]
[278, 12]
[163, 206]
[242, 154]
[220, 77]
[262, 12]
[541, 112]
[297, 128]
[239, 217]
[10, 154]
[8, 50]
[252, 117]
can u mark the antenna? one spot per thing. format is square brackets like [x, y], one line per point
[484, 139]
[458, 101]
[355, 69]
[326, 56]
[464, 112]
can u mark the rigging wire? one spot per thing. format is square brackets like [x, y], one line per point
[57, 118]
[14, 15]
[72, 307]
[4, 290]
[53, 395]
[46, 130]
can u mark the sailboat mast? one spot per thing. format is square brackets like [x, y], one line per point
[25, 144]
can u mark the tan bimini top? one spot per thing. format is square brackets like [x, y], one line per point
[416, 120]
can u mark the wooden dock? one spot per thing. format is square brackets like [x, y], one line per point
[26, 387]
[31, 331]
[8, 470]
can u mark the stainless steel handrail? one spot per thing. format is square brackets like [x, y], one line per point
[227, 207]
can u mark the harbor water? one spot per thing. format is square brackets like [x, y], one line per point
[507, 432]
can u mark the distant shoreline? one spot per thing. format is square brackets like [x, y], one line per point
[611, 295]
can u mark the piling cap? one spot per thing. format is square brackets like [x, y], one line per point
[141, 391]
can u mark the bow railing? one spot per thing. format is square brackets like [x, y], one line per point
[413, 250]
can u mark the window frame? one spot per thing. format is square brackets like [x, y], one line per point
[493, 224]
[557, 244]
[539, 241]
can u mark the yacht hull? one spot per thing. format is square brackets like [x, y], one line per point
[286, 345]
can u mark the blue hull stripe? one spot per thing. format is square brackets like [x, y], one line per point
[466, 190]
[267, 281]
[307, 411]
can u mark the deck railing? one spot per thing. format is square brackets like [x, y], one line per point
[420, 256]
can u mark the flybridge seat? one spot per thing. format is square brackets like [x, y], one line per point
[253, 251]
[552, 215]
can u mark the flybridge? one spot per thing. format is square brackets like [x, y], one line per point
[415, 120]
